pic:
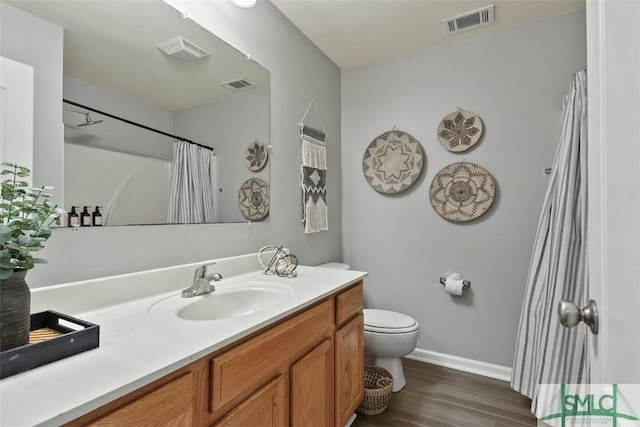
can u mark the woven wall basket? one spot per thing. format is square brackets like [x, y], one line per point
[462, 192]
[253, 199]
[460, 130]
[393, 162]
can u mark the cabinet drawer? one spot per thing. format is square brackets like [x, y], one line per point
[348, 303]
[243, 369]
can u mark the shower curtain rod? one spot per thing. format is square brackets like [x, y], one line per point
[136, 124]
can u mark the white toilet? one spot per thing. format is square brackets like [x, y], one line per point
[388, 337]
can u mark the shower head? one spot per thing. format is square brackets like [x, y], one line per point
[89, 121]
[87, 117]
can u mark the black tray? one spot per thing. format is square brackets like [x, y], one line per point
[69, 342]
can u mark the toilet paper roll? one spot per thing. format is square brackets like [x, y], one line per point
[453, 286]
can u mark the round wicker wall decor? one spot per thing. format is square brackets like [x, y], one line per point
[459, 131]
[253, 199]
[392, 162]
[462, 192]
[255, 156]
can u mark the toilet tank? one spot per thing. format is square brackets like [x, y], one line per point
[335, 265]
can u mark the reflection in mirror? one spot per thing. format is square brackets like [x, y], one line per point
[139, 80]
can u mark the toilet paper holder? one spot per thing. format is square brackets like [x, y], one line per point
[466, 284]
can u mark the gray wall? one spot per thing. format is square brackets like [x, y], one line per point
[514, 80]
[299, 73]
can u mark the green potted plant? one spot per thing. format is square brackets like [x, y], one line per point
[25, 219]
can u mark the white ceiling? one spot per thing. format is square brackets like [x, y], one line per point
[359, 32]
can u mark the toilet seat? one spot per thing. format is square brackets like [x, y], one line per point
[388, 322]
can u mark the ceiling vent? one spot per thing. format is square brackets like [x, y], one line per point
[237, 84]
[470, 20]
[179, 47]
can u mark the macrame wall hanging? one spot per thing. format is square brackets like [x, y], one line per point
[313, 159]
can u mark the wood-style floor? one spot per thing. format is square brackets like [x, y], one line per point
[441, 397]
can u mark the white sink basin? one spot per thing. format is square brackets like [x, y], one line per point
[229, 300]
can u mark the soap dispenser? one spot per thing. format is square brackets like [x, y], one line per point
[96, 217]
[85, 217]
[73, 220]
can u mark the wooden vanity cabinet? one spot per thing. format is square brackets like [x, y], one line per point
[305, 370]
[174, 400]
[349, 353]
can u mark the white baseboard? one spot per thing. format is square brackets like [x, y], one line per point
[461, 364]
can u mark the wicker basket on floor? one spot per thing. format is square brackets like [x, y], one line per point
[378, 383]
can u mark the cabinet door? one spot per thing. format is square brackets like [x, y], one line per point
[239, 372]
[170, 405]
[312, 388]
[267, 407]
[349, 373]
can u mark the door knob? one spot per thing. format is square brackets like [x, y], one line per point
[571, 315]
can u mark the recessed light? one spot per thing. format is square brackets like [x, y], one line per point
[244, 3]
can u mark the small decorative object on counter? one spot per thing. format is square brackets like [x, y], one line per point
[96, 217]
[282, 263]
[378, 383]
[25, 219]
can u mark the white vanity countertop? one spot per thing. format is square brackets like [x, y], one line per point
[137, 347]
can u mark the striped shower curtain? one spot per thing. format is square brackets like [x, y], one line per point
[547, 352]
[192, 175]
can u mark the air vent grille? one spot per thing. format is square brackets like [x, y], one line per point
[237, 84]
[470, 20]
[182, 48]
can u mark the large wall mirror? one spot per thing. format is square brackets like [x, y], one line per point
[140, 79]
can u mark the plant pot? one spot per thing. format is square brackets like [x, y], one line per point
[15, 311]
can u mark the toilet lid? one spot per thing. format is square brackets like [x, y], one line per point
[389, 322]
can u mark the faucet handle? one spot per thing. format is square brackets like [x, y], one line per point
[202, 271]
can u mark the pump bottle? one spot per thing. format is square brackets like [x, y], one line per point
[73, 219]
[85, 217]
[96, 217]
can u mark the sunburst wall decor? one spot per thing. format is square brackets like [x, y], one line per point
[459, 131]
[462, 192]
[393, 162]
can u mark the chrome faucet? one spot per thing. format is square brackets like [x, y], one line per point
[202, 282]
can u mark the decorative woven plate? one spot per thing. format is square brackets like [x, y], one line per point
[459, 131]
[392, 162]
[462, 192]
[256, 156]
[253, 199]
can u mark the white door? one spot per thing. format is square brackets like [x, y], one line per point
[613, 50]
[16, 112]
